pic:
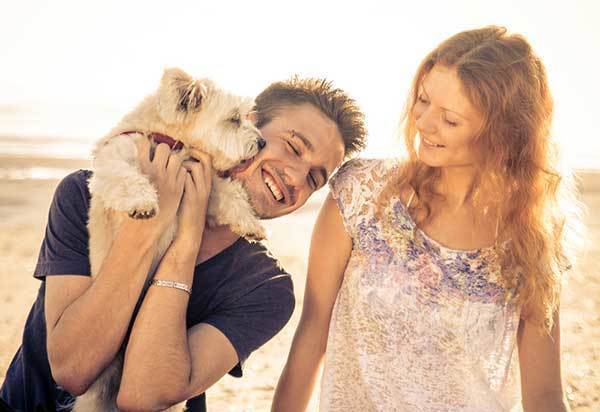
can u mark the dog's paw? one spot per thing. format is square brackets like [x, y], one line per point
[143, 209]
[141, 203]
[142, 214]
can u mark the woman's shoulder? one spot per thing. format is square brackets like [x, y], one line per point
[364, 171]
[358, 184]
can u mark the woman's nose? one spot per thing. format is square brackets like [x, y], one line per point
[426, 121]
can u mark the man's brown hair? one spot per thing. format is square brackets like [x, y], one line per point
[332, 102]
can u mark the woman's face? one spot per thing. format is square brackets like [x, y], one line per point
[446, 121]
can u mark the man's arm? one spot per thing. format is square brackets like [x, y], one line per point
[87, 318]
[165, 363]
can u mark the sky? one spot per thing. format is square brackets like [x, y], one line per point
[73, 68]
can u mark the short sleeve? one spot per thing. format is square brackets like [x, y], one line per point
[253, 319]
[64, 249]
[355, 186]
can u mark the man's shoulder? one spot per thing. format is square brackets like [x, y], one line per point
[244, 275]
[72, 196]
[75, 185]
[257, 257]
[251, 268]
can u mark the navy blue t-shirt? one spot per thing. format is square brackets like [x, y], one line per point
[242, 291]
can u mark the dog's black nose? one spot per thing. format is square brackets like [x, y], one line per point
[261, 143]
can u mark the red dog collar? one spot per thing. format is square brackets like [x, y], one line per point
[162, 138]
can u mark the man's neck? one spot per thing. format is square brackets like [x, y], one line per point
[214, 241]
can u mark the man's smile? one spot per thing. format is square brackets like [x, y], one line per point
[274, 185]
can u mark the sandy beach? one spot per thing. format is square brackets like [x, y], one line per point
[24, 201]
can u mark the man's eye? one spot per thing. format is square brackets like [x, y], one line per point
[294, 149]
[312, 181]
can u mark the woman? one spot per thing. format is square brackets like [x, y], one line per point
[431, 278]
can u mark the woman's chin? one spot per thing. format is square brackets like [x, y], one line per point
[429, 159]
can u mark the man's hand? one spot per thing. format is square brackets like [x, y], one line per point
[168, 177]
[194, 204]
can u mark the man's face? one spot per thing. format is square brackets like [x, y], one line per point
[303, 148]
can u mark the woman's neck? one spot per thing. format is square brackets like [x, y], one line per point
[456, 185]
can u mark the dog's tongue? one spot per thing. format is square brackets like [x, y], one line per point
[237, 169]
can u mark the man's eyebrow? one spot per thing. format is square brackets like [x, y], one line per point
[304, 140]
[321, 170]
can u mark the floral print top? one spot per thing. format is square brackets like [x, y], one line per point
[416, 326]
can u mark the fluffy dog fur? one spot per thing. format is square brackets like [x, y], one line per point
[201, 116]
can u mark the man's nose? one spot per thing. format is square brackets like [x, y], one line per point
[297, 173]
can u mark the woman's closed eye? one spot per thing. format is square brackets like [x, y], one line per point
[450, 122]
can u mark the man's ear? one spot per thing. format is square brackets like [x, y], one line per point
[178, 94]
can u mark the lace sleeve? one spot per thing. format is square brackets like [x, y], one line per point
[354, 188]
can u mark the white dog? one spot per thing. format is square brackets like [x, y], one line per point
[188, 114]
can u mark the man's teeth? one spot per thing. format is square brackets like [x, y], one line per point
[273, 187]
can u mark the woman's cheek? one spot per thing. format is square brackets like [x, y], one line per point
[417, 110]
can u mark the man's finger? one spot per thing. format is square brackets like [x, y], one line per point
[196, 169]
[204, 158]
[143, 151]
[188, 184]
[161, 155]
[174, 164]
[181, 176]
[197, 154]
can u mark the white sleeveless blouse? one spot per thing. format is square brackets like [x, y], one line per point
[416, 326]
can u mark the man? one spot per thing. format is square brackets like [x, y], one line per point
[240, 296]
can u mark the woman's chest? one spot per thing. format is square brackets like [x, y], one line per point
[423, 303]
[461, 230]
[395, 271]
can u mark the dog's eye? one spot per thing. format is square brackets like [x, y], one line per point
[236, 120]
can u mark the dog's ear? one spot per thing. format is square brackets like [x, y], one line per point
[178, 95]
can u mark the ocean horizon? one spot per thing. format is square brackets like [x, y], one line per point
[68, 131]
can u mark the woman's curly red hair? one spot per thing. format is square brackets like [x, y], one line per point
[506, 81]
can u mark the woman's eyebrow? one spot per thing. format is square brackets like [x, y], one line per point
[444, 108]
